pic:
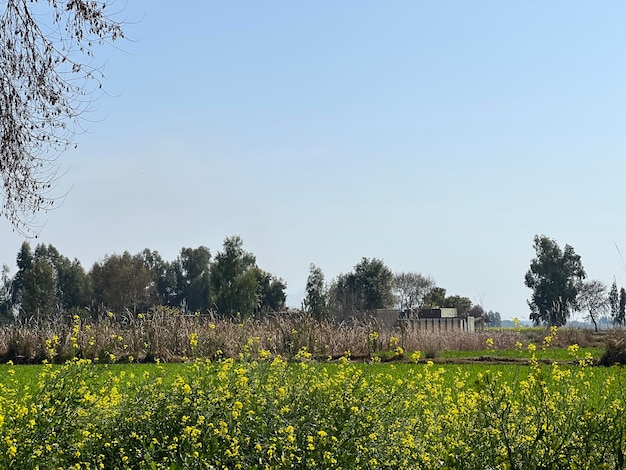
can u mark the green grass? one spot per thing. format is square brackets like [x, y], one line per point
[555, 354]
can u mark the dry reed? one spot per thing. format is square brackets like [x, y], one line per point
[166, 335]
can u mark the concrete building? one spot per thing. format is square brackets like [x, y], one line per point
[426, 319]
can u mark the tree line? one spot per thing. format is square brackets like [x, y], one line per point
[231, 285]
[47, 283]
[560, 286]
[227, 285]
[372, 285]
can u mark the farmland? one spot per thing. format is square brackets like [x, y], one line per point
[260, 410]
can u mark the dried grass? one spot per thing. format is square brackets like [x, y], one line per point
[615, 352]
[166, 335]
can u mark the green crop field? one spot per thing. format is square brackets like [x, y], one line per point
[271, 413]
[553, 354]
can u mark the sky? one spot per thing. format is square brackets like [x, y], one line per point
[440, 137]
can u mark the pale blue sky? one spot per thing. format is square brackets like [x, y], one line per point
[437, 136]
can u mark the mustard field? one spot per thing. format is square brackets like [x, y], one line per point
[273, 414]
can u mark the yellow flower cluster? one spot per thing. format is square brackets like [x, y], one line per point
[193, 341]
[273, 414]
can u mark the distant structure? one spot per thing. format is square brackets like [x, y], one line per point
[425, 319]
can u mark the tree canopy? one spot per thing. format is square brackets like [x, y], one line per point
[435, 297]
[493, 318]
[593, 300]
[316, 301]
[234, 280]
[554, 277]
[123, 282]
[411, 288]
[47, 282]
[368, 287]
[47, 80]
